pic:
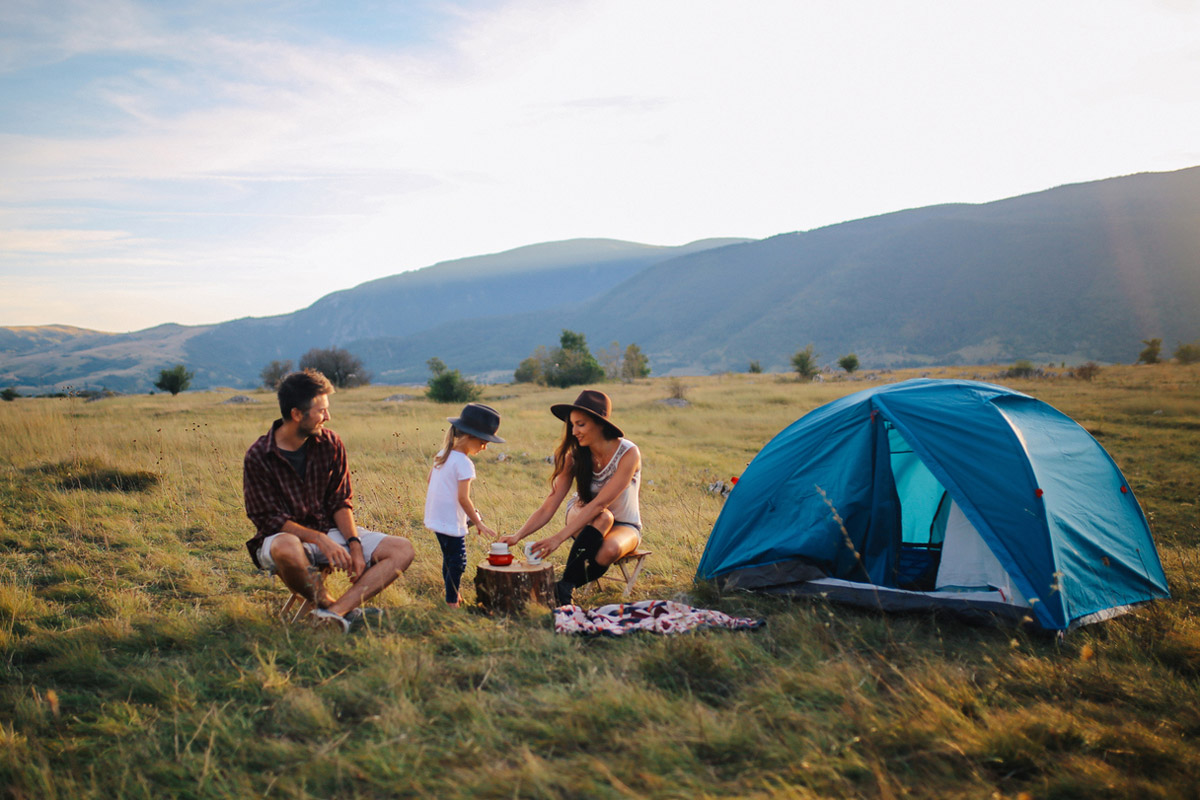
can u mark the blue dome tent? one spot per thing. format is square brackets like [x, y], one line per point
[939, 494]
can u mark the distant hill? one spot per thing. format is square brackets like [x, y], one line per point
[528, 279]
[1081, 272]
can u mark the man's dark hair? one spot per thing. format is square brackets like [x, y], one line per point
[300, 389]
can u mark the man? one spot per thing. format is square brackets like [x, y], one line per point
[296, 483]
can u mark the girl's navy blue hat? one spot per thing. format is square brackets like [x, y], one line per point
[478, 420]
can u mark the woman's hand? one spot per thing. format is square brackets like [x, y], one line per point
[545, 547]
[484, 530]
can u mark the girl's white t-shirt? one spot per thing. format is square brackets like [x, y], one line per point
[443, 514]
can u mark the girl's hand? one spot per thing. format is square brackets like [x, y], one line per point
[484, 530]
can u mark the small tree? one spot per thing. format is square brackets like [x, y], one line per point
[1188, 353]
[805, 363]
[755, 368]
[1150, 354]
[634, 364]
[174, 380]
[571, 363]
[273, 373]
[9, 394]
[448, 385]
[1085, 372]
[343, 369]
[610, 359]
[848, 362]
[1021, 369]
[529, 371]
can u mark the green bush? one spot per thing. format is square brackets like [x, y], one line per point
[848, 362]
[448, 385]
[274, 372]
[755, 368]
[1151, 352]
[569, 364]
[529, 371]
[174, 380]
[1188, 353]
[805, 363]
[343, 369]
[634, 364]
[1020, 369]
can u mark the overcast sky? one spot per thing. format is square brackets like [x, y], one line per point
[199, 161]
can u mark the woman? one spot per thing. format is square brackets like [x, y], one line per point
[603, 515]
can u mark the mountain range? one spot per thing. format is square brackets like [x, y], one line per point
[1076, 273]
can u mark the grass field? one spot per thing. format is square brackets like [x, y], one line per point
[141, 657]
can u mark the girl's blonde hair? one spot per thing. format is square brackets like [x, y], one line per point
[452, 435]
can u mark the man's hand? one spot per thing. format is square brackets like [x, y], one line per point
[336, 554]
[358, 564]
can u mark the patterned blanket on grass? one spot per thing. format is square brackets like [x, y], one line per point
[656, 616]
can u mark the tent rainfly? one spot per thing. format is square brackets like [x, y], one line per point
[940, 494]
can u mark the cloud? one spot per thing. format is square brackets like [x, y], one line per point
[232, 141]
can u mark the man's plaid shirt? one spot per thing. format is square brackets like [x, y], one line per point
[274, 493]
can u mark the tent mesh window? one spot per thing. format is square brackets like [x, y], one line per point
[924, 507]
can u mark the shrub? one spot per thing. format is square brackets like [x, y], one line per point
[9, 394]
[572, 368]
[174, 380]
[634, 364]
[1020, 369]
[569, 364]
[624, 366]
[1085, 372]
[755, 368]
[343, 369]
[677, 389]
[1150, 354]
[848, 362]
[529, 371]
[273, 373]
[805, 363]
[448, 385]
[1188, 353]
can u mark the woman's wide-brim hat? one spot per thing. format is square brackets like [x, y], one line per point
[593, 402]
[479, 421]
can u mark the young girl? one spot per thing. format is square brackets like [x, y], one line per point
[448, 506]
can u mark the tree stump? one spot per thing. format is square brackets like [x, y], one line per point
[508, 589]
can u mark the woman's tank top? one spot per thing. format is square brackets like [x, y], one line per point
[625, 509]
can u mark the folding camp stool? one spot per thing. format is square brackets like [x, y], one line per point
[630, 566]
[297, 606]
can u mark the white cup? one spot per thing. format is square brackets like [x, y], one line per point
[499, 549]
[529, 556]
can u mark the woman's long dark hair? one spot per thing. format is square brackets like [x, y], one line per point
[581, 456]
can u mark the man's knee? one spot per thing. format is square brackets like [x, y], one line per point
[397, 550]
[288, 551]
